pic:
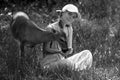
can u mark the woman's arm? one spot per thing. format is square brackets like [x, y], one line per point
[69, 34]
[70, 40]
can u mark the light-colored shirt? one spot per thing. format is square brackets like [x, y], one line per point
[68, 31]
[53, 46]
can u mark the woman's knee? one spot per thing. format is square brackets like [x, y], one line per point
[89, 58]
[86, 53]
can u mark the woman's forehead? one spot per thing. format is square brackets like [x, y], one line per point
[70, 12]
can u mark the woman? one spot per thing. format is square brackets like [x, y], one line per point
[52, 50]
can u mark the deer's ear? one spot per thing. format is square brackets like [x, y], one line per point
[59, 12]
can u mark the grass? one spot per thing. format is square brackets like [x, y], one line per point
[92, 35]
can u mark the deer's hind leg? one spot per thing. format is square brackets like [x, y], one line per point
[20, 60]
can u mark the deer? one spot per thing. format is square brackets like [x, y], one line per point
[25, 31]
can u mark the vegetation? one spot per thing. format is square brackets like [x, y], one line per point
[98, 31]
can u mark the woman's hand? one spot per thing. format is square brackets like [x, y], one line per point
[70, 50]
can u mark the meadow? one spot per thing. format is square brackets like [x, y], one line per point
[97, 31]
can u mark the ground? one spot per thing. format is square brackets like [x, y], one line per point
[95, 35]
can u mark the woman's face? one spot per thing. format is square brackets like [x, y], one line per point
[69, 17]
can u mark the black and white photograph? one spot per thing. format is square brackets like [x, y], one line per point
[59, 39]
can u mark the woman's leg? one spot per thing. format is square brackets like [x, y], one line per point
[79, 61]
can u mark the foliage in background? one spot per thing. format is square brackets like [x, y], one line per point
[98, 31]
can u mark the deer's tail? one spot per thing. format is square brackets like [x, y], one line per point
[18, 19]
[20, 14]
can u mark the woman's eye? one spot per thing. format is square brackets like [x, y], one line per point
[70, 13]
[74, 15]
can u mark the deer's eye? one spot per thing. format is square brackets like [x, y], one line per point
[54, 31]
